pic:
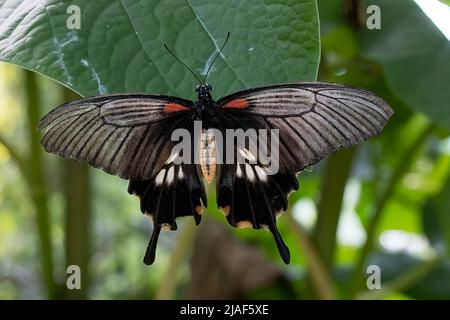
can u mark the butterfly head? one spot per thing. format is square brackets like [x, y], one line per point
[204, 92]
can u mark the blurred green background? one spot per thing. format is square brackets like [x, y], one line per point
[384, 203]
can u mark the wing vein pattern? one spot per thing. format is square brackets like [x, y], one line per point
[314, 120]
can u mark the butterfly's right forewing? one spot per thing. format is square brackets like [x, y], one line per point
[314, 119]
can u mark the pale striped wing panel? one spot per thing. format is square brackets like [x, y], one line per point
[125, 135]
[314, 119]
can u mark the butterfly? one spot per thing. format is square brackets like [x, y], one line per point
[130, 135]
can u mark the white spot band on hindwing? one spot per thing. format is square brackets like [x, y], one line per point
[262, 175]
[170, 175]
[160, 177]
[180, 173]
[238, 171]
[249, 172]
[247, 155]
[172, 157]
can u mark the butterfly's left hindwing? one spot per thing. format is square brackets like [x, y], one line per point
[176, 191]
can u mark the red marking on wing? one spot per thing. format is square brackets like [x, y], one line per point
[237, 104]
[174, 107]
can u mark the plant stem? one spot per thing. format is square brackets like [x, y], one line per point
[38, 184]
[319, 275]
[17, 157]
[78, 217]
[167, 287]
[403, 165]
[334, 180]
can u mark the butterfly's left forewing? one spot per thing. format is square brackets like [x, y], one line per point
[128, 135]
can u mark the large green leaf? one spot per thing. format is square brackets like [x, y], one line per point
[414, 55]
[119, 47]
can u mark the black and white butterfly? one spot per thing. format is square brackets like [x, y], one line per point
[129, 135]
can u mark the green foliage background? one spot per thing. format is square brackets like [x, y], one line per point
[54, 213]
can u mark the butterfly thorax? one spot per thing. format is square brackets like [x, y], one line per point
[205, 104]
[204, 93]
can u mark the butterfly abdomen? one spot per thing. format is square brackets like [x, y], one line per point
[208, 155]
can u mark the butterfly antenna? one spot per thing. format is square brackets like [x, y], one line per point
[218, 54]
[184, 64]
